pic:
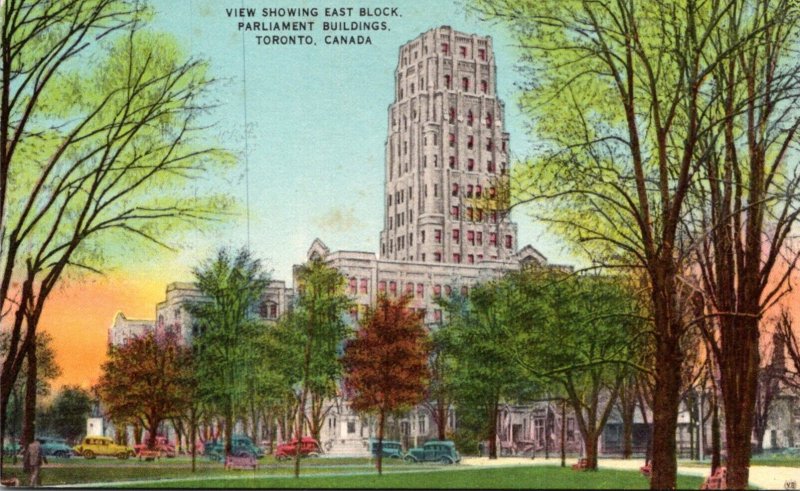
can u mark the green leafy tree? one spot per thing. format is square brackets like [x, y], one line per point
[99, 143]
[387, 363]
[68, 412]
[228, 343]
[477, 334]
[319, 316]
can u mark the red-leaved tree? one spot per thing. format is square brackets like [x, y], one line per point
[386, 364]
[147, 379]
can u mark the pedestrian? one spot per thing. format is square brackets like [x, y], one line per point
[35, 458]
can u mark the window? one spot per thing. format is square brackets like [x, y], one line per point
[456, 258]
[393, 288]
[570, 429]
[351, 427]
[437, 236]
[362, 288]
[509, 241]
[470, 259]
[448, 83]
[489, 120]
[489, 144]
[470, 141]
[465, 84]
[447, 290]
[478, 190]
[494, 217]
[464, 291]
[273, 311]
[422, 236]
[389, 200]
[471, 163]
[492, 192]
[482, 54]
[437, 256]
[493, 239]
[452, 115]
[445, 48]
[471, 237]
[452, 139]
[479, 214]
[454, 211]
[382, 286]
[437, 315]
[479, 238]
[435, 190]
[455, 190]
[484, 87]
[452, 163]
[422, 422]
[353, 284]
[420, 290]
[456, 235]
[437, 290]
[469, 190]
[490, 166]
[470, 215]
[412, 88]
[410, 236]
[462, 50]
[409, 288]
[470, 118]
[504, 145]
[480, 257]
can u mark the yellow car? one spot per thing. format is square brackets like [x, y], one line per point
[92, 446]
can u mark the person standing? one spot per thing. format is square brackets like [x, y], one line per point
[35, 459]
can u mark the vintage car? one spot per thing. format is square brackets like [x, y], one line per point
[92, 446]
[443, 451]
[162, 445]
[241, 446]
[308, 448]
[390, 448]
[55, 447]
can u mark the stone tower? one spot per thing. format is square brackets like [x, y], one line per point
[446, 181]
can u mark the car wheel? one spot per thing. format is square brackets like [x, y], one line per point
[410, 459]
[446, 460]
[313, 454]
[88, 454]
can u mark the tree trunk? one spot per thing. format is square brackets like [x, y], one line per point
[193, 435]
[716, 437]
[627, 429]
[29, 416]
[666, 396]
[441, 411]
[228, 430]
[152, 430]
[590, 440]
[379, 461]
[493, 431]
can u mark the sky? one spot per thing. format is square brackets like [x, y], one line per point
[314, 166]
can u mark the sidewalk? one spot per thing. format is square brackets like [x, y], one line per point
[764, 477]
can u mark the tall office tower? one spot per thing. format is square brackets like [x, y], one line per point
[447, 155]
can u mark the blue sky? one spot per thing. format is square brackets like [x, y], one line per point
[318, 124]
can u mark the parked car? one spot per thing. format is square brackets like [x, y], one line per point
[162, 445]
[443, 451]
[55, 447]
[308, 448]
[241, 446]
[11, 448]
[390, 448]
[92, 446]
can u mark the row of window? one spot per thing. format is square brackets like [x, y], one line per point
[474, 237]
[437, 257]
[463, 51]
[451, 139]
[400, 219]
[476, 191]
[473, 214]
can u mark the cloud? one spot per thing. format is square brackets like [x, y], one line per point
[338, 220]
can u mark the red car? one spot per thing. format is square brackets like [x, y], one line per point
[308, 448]
[162, 445]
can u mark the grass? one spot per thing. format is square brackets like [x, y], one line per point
[346, 473]
[548, 477]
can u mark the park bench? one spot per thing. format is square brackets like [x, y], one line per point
[582, 465]
[245, 462]
[149, 454]
[717, 480]
[646, 470]
[13, 482]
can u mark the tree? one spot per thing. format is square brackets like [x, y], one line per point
[227, 345]
[99, 138]
[386, 364]
[145, 379]
[318, 314]
[68, 412]
[769, 387]
[621, 97]
[440, 389]
[478, 335]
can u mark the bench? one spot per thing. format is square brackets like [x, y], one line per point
[246, 462]
[149, 454]
[582, 465]
[13, 482]
[646, 470]
[717, 480]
